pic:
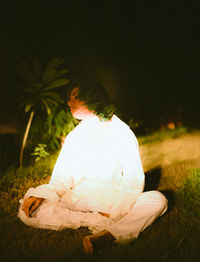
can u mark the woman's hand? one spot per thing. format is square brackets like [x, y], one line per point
[31, 204]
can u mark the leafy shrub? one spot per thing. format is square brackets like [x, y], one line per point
[50, 129]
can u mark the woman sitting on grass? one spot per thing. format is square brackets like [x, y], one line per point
[97, 181]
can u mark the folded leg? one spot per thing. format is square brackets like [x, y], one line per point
[149, 206]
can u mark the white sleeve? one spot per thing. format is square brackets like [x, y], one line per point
[61, 175]
[132, 183]
[60, 180]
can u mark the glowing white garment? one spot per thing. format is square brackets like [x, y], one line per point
[98, 170]
[99, 164]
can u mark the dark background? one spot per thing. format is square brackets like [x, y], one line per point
[149, 49]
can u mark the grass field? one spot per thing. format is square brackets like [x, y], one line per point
[171, 164]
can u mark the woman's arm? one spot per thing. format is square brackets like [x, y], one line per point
[132, 183]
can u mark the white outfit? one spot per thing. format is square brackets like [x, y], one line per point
[98, 170]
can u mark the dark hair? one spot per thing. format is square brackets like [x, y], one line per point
[96, 98]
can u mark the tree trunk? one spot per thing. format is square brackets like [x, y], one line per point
[25, 137]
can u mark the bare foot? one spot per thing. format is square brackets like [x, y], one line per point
[97, 239]
[87, 245]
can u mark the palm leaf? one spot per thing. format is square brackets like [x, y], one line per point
[36, 91]
[52, 95]
[53, 75]
[27, 89]
[45, 103]
[27, 107]
[57, 83]
[50, 70]
[55, 62]
[52, 101]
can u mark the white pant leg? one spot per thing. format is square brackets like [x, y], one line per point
[149, 206]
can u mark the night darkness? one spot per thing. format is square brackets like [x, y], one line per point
[152, 48]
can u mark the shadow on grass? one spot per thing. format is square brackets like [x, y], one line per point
[152, 180]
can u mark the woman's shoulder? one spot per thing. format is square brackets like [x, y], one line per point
[120, 125]
[124, 130]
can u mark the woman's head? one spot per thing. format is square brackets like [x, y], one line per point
[78, 107]
[91, 97]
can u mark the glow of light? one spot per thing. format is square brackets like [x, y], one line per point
[99, 159]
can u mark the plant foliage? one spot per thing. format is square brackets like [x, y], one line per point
[38, 83]
[52, 129]
[40, 152]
